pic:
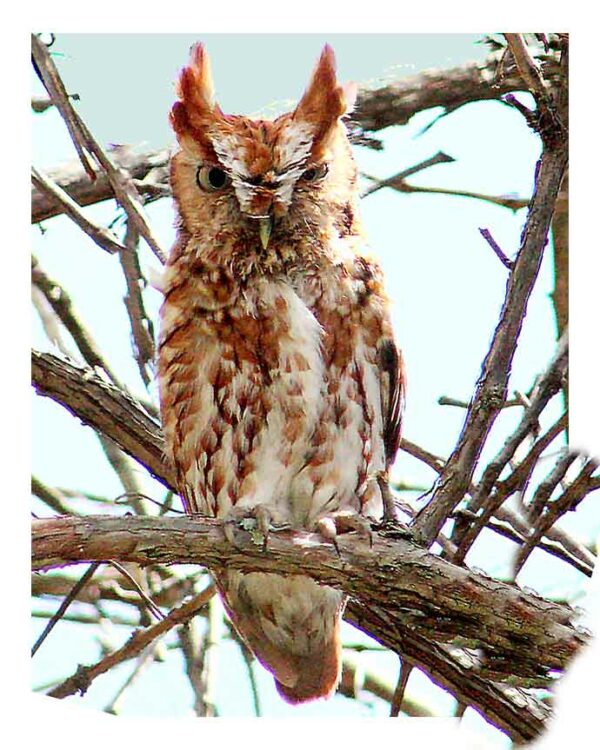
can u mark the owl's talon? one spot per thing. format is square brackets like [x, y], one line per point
[339, 523]
[256, 521]
[229, 529]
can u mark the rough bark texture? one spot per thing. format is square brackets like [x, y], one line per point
[84, 393]
[519, 633]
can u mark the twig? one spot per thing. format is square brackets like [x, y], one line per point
[104, 238]
[207, 658]
[152, 607]
[125, 192]
[55, 88]
[550, 483]
[486, 234]
[434, 462]
[124, 189]
[577, 489]
[513, 528]
[141, 325]
[145, 659]
[49, 320]
[65, 604]
[140, 639]
[527, 67]
[41, 103]
[356, 680]
[189, 643]
[62, 305]
[547, 387]
[439, 158]
[122, 466]
[52, 497]
[491, 388]
[76, 183]
[405, 669]
[514, 204]
[83, 619]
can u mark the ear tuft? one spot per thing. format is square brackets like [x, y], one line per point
[324, 100]
[196, 106]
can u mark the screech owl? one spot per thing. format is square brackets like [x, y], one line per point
[281, 386]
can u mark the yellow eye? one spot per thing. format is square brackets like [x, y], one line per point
[316, 172]
[212, 179]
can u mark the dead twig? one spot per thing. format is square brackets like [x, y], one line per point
[104, 238]
[83, 677]
[141, 325]
[65, 605]
[486, 234]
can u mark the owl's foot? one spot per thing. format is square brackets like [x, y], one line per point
[390, 512]
[256, 521]
[342, 522]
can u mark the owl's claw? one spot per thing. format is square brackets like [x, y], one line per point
[256, 521]
[335, 524]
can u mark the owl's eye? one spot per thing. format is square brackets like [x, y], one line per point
[317, 172]
[212, 178]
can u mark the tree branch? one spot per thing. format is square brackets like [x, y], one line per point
[492, 386]
[378, 108]
[105, 408]
[416, 588]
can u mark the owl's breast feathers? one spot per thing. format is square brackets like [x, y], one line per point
[276, 391]
[281, 392]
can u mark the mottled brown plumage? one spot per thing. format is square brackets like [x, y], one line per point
[281, 385]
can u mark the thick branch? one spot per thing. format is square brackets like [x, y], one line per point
[520, 715]
[522, 633]
[105, 408]
[396, 103]
[74, 181]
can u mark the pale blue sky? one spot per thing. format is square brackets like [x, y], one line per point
[445, 282]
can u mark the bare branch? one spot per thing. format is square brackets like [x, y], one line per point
[62, 305]
[104, 238]
[105, 408]
[439, 158]
[83, 677]
[492, 385]
[416, 588]
[75, 182]
[54, 86]
[141, 325]
[397, 102]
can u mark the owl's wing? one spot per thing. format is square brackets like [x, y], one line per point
[392, 380]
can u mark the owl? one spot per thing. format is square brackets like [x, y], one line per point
[280, 383]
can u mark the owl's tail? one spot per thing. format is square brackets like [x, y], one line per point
[292, 625]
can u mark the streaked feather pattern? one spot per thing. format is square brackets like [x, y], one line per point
[281, 385]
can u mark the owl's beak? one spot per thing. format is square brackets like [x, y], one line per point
[265, 225]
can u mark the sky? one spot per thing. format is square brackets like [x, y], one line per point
[445, 283]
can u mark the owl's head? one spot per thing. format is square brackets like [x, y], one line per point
[261, 175]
